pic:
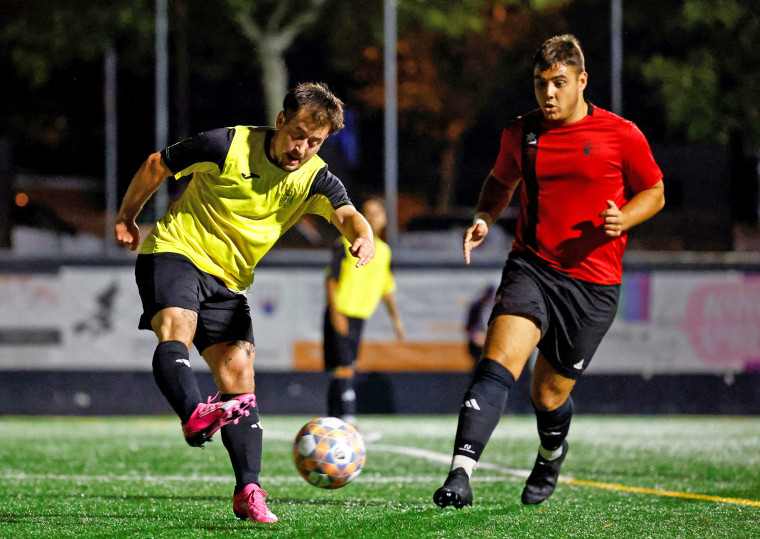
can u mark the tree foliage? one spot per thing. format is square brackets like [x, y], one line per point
[451, 54]
[703, 64]
[43, 36]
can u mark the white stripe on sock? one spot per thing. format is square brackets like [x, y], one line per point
[460, 461]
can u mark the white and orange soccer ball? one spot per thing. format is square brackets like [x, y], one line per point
[329, 453]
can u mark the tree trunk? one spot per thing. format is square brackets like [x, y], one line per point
[274, 78]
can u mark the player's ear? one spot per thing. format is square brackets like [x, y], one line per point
[280, 121]
[583, 80]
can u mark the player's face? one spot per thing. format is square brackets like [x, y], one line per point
[374, 213]
[297, 140]
[559, 92]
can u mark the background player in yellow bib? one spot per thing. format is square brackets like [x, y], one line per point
[249, 185]
[352, 295]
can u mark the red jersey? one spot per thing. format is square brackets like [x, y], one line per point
[568, 172]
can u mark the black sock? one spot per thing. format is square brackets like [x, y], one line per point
[554, 425]
[341, 398]
[175, 377]
[243, 441]
[482, 408]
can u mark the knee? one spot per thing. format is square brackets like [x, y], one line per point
[233, 367]
[172, 326]
[345, 371]
[547, 399]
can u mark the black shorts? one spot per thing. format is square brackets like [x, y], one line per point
[341, 350]
[172, 280]
[573, 315]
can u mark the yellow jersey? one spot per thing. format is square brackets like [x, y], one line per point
[359, 290]
[239, 202]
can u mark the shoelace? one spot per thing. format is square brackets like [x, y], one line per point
[258, 502]
[209, 403]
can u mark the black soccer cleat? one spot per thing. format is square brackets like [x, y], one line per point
[455, 491]
[543, 478]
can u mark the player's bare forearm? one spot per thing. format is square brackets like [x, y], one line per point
[390, 304]
[145, 182]
[494, 197]
[642, 206]
[338, 320]
[355, 228]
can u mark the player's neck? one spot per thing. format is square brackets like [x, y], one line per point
[580, 112]
[271, 146]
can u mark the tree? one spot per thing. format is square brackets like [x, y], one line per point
[52, 56]
[702, 59]
[451, 55]
[707, 67]
[40, 37]
[271, 27]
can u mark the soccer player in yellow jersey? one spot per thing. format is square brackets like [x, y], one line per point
[352, 296]
[249, 185]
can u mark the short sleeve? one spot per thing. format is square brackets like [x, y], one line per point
[639, 167]
[207, 147]
[507, 168]
[326, 194]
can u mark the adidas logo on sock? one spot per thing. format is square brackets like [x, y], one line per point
[471, 403]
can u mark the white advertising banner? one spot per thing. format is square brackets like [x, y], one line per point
[675, 322]
[668, 322]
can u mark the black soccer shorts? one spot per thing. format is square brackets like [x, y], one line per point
[172, 280]
[341, 350]
[573, 315]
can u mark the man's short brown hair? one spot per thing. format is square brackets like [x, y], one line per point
[560, 50]
[316, 97]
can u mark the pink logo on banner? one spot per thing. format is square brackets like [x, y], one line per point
[723, 321]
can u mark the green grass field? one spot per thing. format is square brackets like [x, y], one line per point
[623, 477]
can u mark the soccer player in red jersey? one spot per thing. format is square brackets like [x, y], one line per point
[585, 178]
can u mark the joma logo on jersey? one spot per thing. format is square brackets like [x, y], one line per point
[286, 200]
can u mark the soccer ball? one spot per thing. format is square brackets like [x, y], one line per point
[328, 452]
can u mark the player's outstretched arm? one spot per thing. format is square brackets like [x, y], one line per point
[145, 182]
[357, 231]
[338, 320]
[494, 197]
[641, 207]
[389, 300]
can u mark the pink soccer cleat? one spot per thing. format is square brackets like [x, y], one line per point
[210, 417]
[249, 504]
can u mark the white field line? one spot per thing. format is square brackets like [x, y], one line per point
[515, 475]
[423, 454]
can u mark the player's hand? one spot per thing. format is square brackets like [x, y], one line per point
[398, 327]
[364, 250]
[127, 234]
[339, 322]
[613, 220]
[473, 237]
